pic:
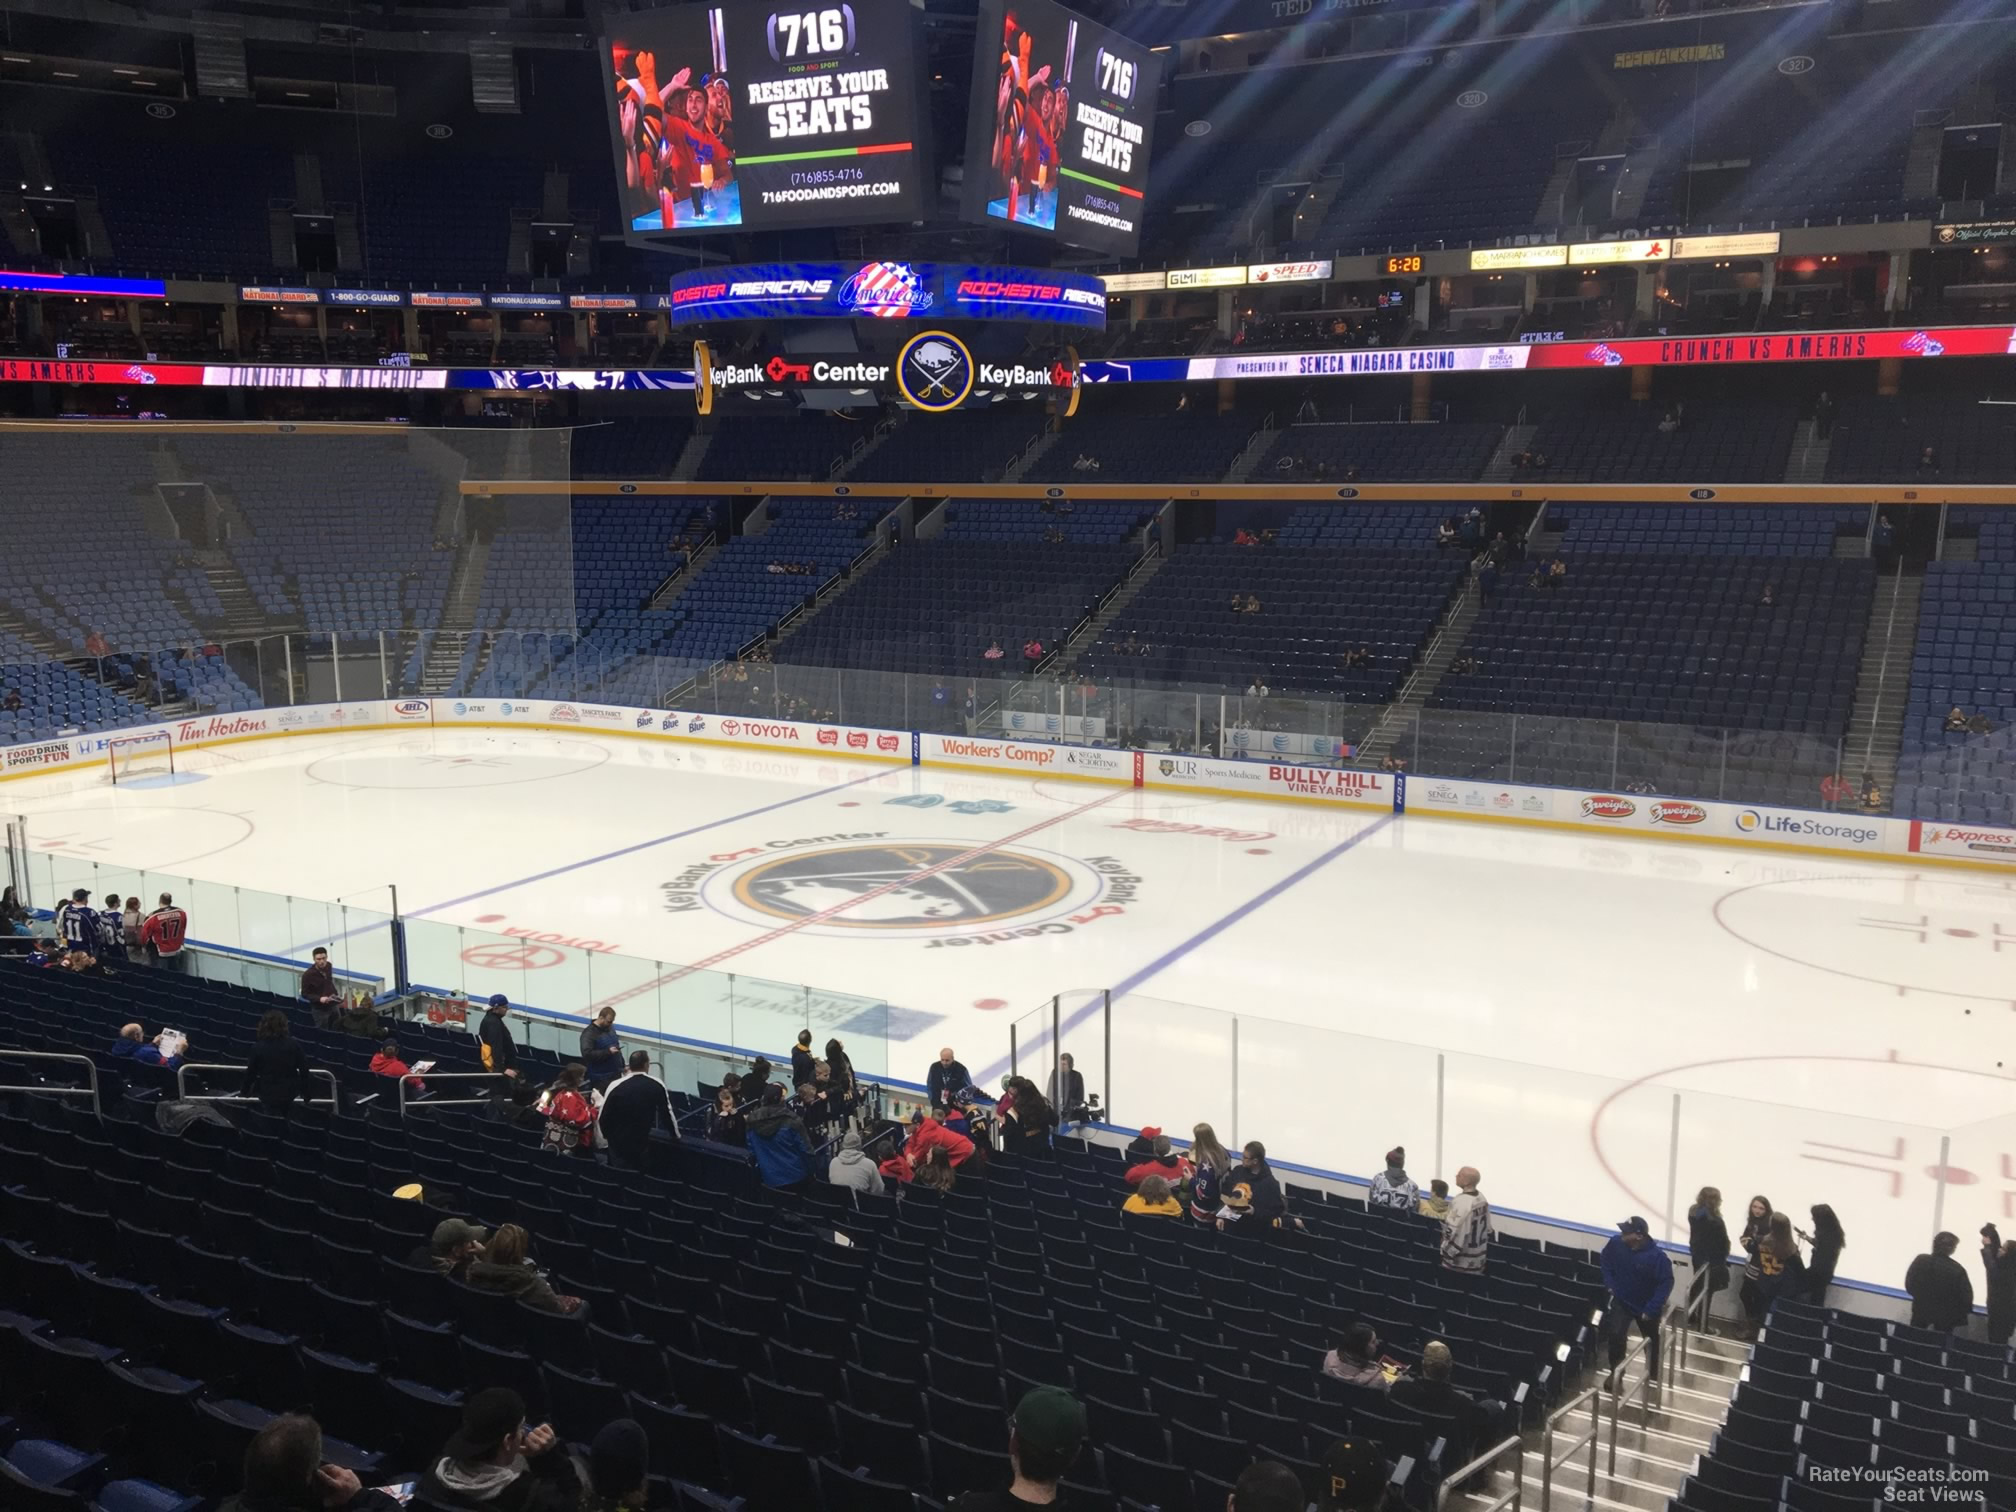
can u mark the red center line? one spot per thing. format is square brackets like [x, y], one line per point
[823, 914]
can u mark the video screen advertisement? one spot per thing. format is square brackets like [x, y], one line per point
[743, 117]
[1062, 119]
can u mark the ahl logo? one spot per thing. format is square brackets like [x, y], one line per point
[1608, 806]
[410, 708]
[1673, 811]
[644, 720]
[566, 714]
[935, 371]
[1607, 355]
[1924, 344]
[886, 290]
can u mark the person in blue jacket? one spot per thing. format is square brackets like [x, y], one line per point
[1640, 1277]
[777, 1140]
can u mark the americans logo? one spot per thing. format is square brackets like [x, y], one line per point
[886, 291]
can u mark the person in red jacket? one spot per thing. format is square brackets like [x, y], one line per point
[1165, 1162]
[164, 932]
[388, 1062]
[931, 1133]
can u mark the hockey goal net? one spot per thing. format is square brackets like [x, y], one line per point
[135, 756]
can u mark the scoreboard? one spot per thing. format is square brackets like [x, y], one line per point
[753, 116]
[1062, 116]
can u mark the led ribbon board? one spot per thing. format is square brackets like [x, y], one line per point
[888, 291]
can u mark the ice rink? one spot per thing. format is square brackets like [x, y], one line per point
[1593, 1021]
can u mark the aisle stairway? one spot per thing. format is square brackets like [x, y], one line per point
[1882, 689]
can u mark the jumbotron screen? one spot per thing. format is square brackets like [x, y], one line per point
[1062, 117]
[744, 117]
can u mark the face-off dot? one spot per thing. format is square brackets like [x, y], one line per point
[989, 1005]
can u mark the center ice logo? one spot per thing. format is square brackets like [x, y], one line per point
[880, 886]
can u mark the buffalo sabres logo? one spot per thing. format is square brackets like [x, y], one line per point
[935, 371]
[915, 886]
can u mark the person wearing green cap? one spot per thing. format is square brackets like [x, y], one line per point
[1044, 1439]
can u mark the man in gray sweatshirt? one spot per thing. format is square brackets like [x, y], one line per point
[853, 1167]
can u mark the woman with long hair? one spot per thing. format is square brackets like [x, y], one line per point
[1780, 1271]
[1209, 1165]
[1027, 1123]
[506, 1266]
[839, 1075]
[1756, 1228]
[934, 1172]
[570, 1116]
[276, 1072]
[1356, 1358]
[1826, 1243]
[1708, 1244]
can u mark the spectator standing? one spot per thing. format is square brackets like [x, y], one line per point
[1756, 1228]
[601, 1050]
[1640, 1277]
[1999, 1261]
[1208, 1167]
[947, 1078]
[1045, 1436]
[1393, 1188]
[1823, 416]
[77, 925]
[318, 989]
[277, 1070]
[755, 1081]
[1780, 1270]
[1067, 1091]
[1436, 1203]
[777, 1140]
[726, 1122]
[500, 1050]
[570, 1116]
[1708, 1244]
[494, 1461]
[14, 917]
[804, 1064]
[283, 1471]
[635, 1105]
[1942, 1294]
[1466, 1228]
[841, 1085]
[1355, 1360]
[852, 1167]
[1027, 1120]
[932, 1133]
[1824, 1246]
[112, 929]
[164, 933]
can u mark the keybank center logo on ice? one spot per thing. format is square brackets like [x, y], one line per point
[1805, 826]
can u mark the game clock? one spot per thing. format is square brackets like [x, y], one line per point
[749, 117]
[1400, 266]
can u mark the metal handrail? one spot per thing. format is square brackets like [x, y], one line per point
[1548, 1464]
[1451, 1479]
[182, 1084]
[445, 1102]
[1642, 1393]
[1681, 1319]
[85, 1061]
